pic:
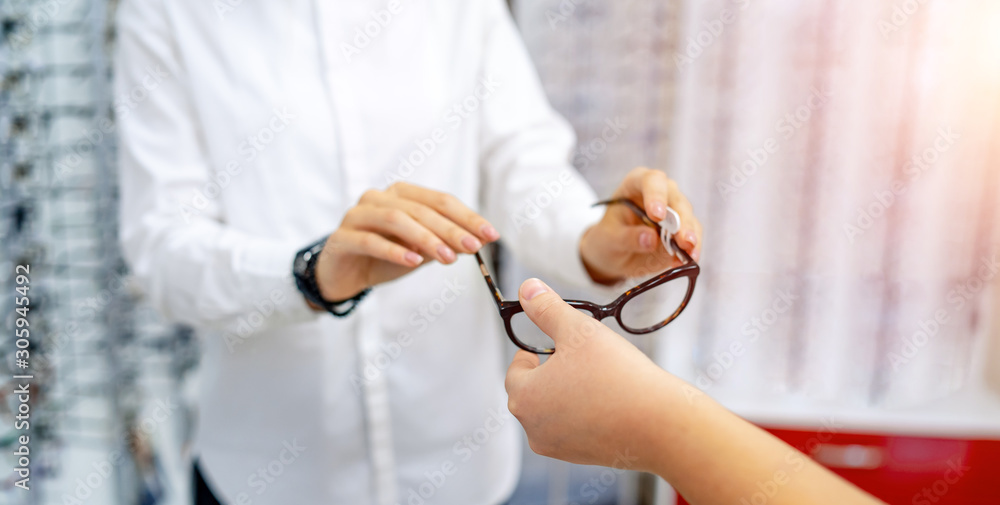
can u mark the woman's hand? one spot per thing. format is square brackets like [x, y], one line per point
[591, 402]
[620, 246]
[390, 233]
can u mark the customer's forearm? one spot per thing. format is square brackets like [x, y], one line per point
[711, 456]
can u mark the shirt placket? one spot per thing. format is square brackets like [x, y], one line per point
[347, 118]
[377, 413]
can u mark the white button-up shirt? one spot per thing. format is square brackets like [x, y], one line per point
[247, 129]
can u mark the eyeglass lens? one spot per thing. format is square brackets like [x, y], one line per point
[656, 305]
[641, 312]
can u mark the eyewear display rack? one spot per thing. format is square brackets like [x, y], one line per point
[786, 124]
[101, 360]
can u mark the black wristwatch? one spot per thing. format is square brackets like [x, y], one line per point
[304, 270]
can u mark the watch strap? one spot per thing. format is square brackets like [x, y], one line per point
[304, 270]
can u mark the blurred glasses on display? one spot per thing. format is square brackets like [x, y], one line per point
[643, 309]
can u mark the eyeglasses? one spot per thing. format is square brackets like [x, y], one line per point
[643, 309]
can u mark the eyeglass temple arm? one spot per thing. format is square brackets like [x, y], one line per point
[497, 297]
[681, 253]
[684, 256]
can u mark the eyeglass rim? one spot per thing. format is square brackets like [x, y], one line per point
[509, 308]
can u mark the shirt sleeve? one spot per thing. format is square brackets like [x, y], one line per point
[540, 204]
[191, 266]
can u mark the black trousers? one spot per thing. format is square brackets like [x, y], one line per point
[202, 494]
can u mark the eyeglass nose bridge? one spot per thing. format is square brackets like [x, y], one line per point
[599, 312]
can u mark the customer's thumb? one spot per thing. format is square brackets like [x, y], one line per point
[548, 311]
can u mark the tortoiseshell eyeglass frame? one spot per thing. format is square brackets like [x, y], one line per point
[688, 268]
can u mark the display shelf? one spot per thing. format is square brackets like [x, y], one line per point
[971, 414]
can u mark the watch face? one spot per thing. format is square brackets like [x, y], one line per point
[300, 263]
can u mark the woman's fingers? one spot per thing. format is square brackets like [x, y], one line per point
[458, 238]
[689, 236]
[450, 207]
[523, 363]
[696, 251]
[372, 244]
[651, 187]
[396, 222]
[636, 238]
[655, 193]
[435, 224]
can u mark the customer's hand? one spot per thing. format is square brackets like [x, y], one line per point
[598, 400]
[590, 402]
[390, 233]
[620, 246]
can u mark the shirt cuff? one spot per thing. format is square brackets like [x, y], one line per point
[267, 266]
